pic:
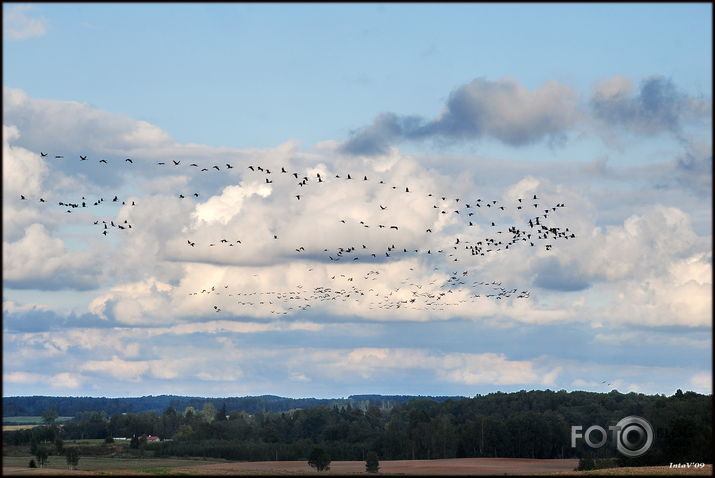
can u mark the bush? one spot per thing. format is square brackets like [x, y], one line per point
[586, 463]
[319, 459]
[32, 464]
[372, 465]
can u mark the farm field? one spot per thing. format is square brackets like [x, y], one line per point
[448, 467]
[22, 422]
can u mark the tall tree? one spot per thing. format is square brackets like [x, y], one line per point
[41, 454]
[72, 457]
[49, 416]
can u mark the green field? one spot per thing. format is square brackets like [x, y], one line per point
[30, 420]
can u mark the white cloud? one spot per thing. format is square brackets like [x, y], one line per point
[19, 26]
[39, 260]
[23, 377]
[66, 380]
[637, 259]
[118, 368]
[23, 171]
[702, 382]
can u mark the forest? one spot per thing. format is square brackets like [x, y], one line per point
[533, 424]
[70, 406]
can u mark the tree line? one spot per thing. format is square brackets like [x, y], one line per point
[70, 406]
[534, 424]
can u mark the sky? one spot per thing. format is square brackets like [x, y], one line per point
[394, 255]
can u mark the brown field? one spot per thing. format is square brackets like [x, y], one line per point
[458, 466]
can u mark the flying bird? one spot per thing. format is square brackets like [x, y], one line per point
[82, 158]
[176, 163]
[103, 161]
[129, 160]
[43, 154]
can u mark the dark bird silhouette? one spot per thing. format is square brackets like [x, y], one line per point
[103, 161]
[393, 227]
[283, 170]
[43, 154]
[196, 194]
[204, 169]
[229, 166]
[42, 200]
[181, 196]
[194, 164]
[251, 168]
[104, 232]
[176, 163]
[82, 158]
[160, 163]
[115, 199]
[365, 178]
[23, 197]
[296, 175]
[129, 160]
[298, 196]
[383, 207]
[59, 157]
[192, 244]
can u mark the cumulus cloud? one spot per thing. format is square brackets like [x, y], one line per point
[638, 257]
[18, 24]
[657, 107]
[23, 171]
[507, 112]
[39, 260]
[503, 110]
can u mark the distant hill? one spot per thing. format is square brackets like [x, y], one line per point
[70, 406]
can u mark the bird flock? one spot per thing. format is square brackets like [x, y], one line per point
[486, 215]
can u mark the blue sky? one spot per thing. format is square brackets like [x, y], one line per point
[604, 107]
